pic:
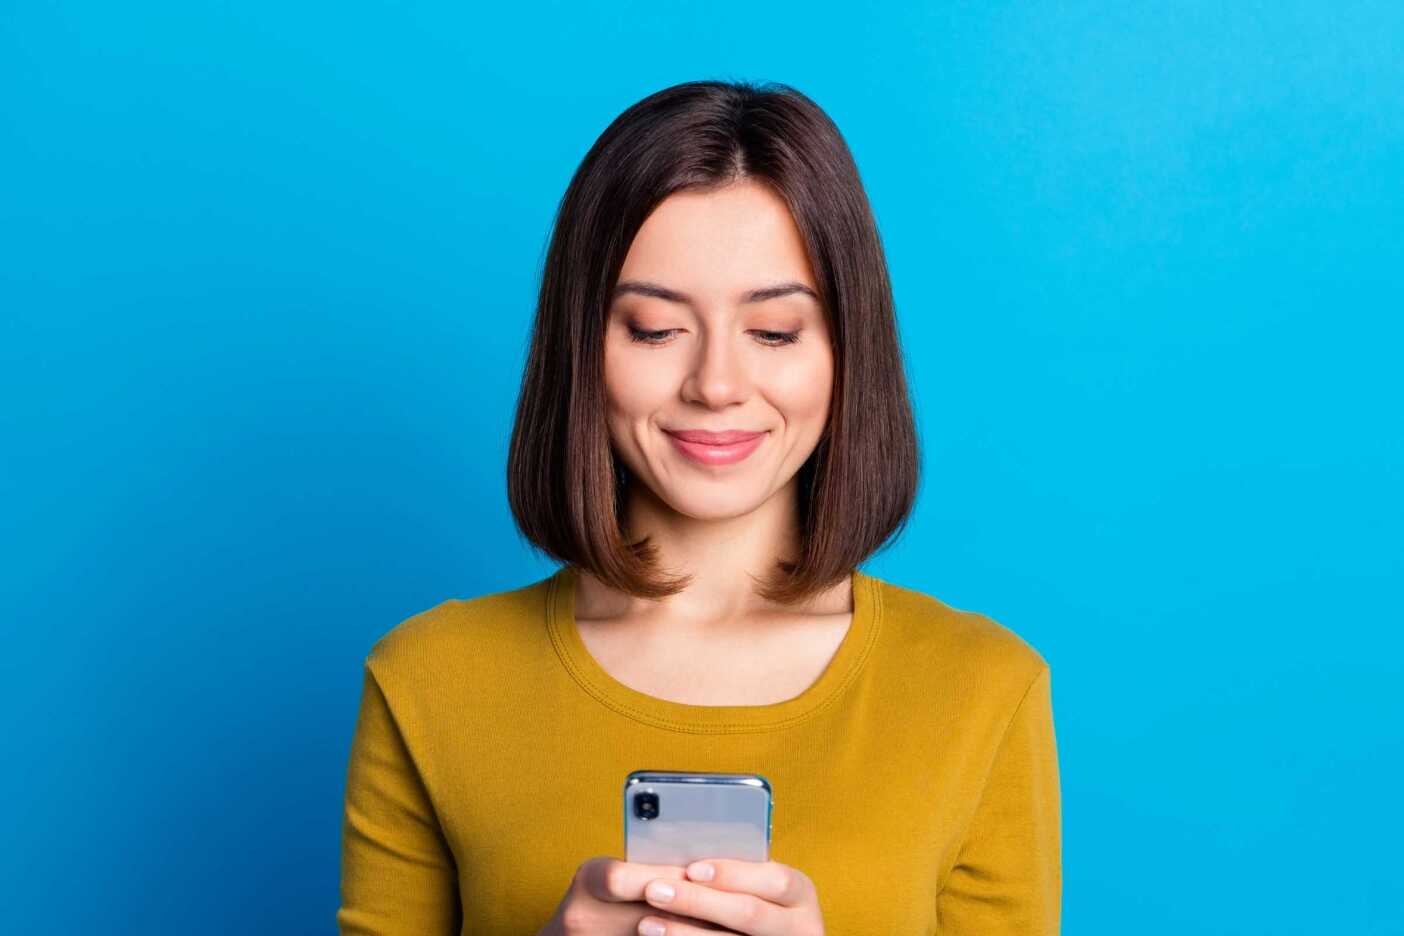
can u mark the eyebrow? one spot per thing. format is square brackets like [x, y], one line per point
[645, 288]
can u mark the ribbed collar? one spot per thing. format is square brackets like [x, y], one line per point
[713, 719]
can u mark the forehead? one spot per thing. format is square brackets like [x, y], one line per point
[719, 243]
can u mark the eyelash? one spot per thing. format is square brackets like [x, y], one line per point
[657, 337]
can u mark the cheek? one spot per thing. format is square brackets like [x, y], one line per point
[633, 387]
[802, 389]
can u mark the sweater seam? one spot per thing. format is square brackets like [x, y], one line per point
[985, 784]
[414, 764]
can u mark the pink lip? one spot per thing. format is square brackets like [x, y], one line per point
[716, 448]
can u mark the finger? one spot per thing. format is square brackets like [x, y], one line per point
[768, 880]
[614, 881]
[744, 913]
[671, 922]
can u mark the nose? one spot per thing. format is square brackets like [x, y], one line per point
[719, 374]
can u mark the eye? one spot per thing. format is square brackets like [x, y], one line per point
[774, 339]
[649, 337]
[777, 339]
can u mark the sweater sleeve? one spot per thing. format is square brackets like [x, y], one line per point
[398, 876]
[1007, 878]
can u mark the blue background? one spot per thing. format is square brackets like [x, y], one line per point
[266, 279]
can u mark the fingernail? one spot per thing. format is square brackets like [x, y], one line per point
[651, 928]
[701, 871]
[660, 891]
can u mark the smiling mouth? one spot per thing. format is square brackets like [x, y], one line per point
[708, 437]
[734, 446]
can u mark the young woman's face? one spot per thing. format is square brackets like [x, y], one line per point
[715, 326]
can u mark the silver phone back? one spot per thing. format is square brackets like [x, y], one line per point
[699, 815]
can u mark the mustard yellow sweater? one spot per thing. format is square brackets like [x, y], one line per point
[916, 782]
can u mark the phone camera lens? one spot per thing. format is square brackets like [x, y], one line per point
[646, 806]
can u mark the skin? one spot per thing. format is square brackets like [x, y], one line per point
[712, 361]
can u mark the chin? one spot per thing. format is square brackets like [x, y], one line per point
[738, 504]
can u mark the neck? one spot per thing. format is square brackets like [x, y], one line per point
[722, 554]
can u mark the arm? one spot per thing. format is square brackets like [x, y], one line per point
[1007, 878]
[398, 876]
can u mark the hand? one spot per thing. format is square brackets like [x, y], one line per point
[755, 898]
[605, 898]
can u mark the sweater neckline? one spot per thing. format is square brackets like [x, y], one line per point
[841, 670]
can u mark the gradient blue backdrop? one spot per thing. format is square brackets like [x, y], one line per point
[266, 278]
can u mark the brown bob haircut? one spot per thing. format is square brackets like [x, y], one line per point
[565, 485]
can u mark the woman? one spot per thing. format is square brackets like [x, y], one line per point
[713, 432]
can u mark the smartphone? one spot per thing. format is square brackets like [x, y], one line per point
[676, 817]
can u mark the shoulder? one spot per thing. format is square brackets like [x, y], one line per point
[459, 635]
[959, 645]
